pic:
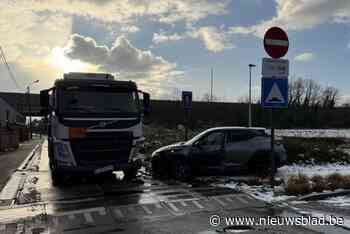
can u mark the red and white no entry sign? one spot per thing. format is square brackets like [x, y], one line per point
[276, 42]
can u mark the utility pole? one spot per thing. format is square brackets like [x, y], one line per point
[30, 108]
[211, 84]
[250, 95]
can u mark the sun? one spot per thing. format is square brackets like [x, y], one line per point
[65, 64]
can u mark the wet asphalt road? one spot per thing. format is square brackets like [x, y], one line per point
[10, 161]
[115, 206]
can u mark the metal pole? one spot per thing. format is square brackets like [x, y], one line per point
[30, 113]
[250, 97]
[272, 149]
[211, 85]
[186, 124]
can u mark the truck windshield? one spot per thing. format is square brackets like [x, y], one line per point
[80, 101]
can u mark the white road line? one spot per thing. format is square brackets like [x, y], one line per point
[241, 199]
[146, 209]
[249, 198]
[196, 203]
[102, 211]
[158, 205]
[71, 216]
[118, 213]
[229, 199]
[88, 218]
[20, 228]
[219, 201]
[173, 207]
[55, 221]
[97, 209]
[183, 203]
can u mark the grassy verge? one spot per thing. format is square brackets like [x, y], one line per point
[316, 150]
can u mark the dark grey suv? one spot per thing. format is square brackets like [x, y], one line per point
[216, 151]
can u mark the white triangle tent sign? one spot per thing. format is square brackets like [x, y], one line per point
[275, 95]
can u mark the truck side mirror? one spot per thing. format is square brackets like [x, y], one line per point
[44, 102]
[146, 103]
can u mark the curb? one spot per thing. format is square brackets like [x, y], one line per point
[321, 196]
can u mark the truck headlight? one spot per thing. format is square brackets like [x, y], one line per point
[63, 153]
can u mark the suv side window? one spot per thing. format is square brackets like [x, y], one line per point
[234, 136]
[213, 139]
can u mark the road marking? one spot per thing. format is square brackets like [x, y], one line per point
[118, 213]
[145, 208]
[242, 200]
[88, 218]
[249, 198]
[20, 228]
[55, 221]
[172, 206]
[219, 201]
[158, 205]
[196, 203]
[71, 216]
[102, 211]
[183, 203]
[97, 209]
[229, 199]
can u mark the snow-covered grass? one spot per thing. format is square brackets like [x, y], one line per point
[310, 170]
[338, 201]
[312, 133]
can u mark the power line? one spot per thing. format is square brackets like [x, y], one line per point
[2, 56]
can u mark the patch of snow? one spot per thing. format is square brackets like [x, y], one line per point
[337, 201]
[310, 133]
[310, 170]
[260, 192]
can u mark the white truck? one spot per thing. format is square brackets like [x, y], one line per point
[94, 125]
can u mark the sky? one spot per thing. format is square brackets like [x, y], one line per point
[167, 46]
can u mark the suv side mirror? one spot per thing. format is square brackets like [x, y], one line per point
[44, 102]
[146, 103]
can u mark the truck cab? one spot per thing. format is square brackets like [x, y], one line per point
[95, 125]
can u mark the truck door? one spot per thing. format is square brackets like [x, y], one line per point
[208, 152]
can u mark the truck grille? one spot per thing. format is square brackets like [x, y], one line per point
[99, 149]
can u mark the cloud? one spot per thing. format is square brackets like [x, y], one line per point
[301, 15]
[121, 57]
[130, 29]
[304, 57]
[162, 37]
[122, 11]
[214, 39]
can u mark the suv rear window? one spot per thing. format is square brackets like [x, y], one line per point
[239, 135]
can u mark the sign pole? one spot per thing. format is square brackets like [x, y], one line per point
[186, 124]
[272, 152]
[187, 104]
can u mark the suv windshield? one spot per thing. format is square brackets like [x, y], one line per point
[88, 101]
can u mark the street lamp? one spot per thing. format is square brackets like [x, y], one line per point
[30, 108]
[250, 94]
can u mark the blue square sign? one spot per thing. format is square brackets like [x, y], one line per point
[187, 99]
[274, 92]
